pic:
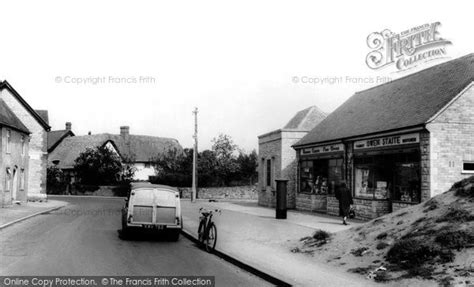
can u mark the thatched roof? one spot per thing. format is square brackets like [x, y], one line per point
[138, 148]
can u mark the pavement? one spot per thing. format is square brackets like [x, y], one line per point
[18, 212]
[251, 234]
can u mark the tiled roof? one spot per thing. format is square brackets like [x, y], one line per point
[406, 102]
[9, 119]
[44, 115]
[34, 114]
[138, 148]
[54, 137]
[306, 119]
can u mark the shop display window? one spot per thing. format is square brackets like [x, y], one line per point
[388, 176]
[320, 176]
[306, 175]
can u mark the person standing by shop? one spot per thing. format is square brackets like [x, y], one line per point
[343, 194]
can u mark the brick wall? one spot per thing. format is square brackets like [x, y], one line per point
[451, 142]
[37, 147]
[311, 202]
[369, 209]
[234, 192]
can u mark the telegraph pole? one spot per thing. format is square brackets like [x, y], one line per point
[195, 154]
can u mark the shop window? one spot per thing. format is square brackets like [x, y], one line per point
[320, 176]
[468, 167]
[407, 182]
[335, 174]
[306, 176]
[269, 172]
[394, 176]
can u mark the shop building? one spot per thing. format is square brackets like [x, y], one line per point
[394, 145]
[277, 159]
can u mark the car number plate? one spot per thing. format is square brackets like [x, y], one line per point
[151, 226]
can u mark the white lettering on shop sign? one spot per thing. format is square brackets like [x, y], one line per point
[387, 141]
[323, 149]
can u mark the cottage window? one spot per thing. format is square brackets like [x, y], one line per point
[9, 135]
[23, 146]
[8, 180]
[22, 179]
[269, 172]
[468, 167]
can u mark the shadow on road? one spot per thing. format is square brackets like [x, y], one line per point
[145, 236]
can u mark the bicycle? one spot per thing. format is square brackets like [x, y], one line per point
[207, 231]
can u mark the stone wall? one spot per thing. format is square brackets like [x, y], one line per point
[451, 142]
[37, 147]
[234, 192]
[311, 202]
[400, 205]
[17, 163]
[425, 165]
[332, 205]
[367, 209]
[276, 146]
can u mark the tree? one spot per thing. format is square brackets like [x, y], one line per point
[98, 166]
[247, 166]
[224, 149]
[55, 180]
[173, 167]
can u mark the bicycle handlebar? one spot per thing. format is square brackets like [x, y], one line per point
[202, 209]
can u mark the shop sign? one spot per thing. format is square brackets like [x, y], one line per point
[387, 141]
[323, 149]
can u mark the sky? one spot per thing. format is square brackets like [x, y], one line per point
[148, 64]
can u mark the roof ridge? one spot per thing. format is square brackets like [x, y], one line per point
[418, 72]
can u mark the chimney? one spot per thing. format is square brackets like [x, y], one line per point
[125, 131]
[68, 126]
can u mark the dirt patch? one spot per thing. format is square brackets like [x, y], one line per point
[426, 244]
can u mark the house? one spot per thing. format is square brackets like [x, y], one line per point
[57, 136]
[395, 144]
[13, 157]
[277, 159]
[38, 129]
[139, 150]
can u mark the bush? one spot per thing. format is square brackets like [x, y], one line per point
[456, 215]
[464, 187]
[455, 239]
[382, 235]
[412, 252]
[359, 251]
[321, 235]
[382, 245]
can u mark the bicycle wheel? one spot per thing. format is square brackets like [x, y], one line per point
[201, 232]
[211, 238]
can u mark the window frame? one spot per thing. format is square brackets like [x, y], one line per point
[268, 172]
[467, 171]
[8, 136]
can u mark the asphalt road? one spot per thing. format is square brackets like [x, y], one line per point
[82, 239]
